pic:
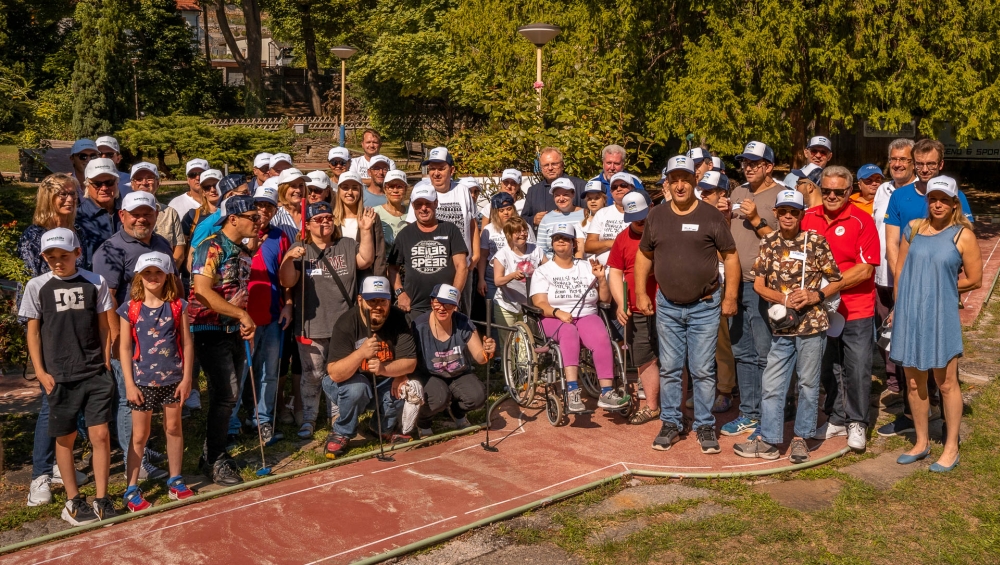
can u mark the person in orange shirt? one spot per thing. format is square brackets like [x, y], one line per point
[869, 179]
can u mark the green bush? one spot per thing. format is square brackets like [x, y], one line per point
[13, 347]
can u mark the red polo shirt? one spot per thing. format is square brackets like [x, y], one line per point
[853, 239]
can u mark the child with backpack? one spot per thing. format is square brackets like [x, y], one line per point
[155, 334]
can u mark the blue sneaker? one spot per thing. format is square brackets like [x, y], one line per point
[739, 426]
[755, 434]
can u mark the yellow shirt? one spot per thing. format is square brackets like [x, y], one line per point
[868, 206]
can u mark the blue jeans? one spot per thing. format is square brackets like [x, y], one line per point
[805, 356]
[688, 333]
[750, 335]
[122, 413]
[266, 352]
[354, 397]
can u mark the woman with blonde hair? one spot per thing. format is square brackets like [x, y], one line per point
[348, 207]
[291, 192]
[939, 259]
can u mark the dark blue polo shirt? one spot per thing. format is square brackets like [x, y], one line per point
[94, 226]
[115, 260]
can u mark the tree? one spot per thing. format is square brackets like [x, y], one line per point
[101, 77]
[254, 102]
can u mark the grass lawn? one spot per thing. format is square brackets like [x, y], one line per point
[8, 159]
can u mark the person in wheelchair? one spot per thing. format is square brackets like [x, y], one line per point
[564, 290]
[447, 345]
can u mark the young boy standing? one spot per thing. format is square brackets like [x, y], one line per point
[68, 344]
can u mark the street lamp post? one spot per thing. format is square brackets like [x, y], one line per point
[539, 35]
[343, 52]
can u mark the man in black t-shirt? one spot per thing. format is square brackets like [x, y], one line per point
[385, 351]
[681, 244]
[432, 252]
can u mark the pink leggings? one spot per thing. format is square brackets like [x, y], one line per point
[591, 331]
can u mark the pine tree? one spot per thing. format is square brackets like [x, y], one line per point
[102, 77]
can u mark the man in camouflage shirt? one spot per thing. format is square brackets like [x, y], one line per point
[799, 322]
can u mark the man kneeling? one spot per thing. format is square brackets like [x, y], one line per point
[371, 341]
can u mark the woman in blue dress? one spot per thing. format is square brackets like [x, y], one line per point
[939, 259]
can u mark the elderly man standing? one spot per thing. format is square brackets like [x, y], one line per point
[80, 154]
[691, 300]
[146, 178]
[819, 151]
[847, 362]
[612, 163]
[538, 201]
[108, 147]
[97, 217]
[194, 197]
[261, 166]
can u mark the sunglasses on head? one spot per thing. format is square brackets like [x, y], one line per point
[838, 192]
[104, 183]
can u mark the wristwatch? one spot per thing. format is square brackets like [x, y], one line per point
[399, 291]
[822, 296]
[761, 224]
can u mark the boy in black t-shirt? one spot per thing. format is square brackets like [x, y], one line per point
[68, 343]
[357, 353]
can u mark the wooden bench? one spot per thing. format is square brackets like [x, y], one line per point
[414, 151]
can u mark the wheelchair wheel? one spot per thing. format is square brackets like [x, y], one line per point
[588, 374]
[520, 365]
[554, 409]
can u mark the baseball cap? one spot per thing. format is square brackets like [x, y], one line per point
[59, 238]
[820, 141]
[338, 153]
[318, 209]
[438, 155]
[373, 288]
[724, 182]
[680, 162]
[755, 151]
[511, 174]
[561, 182]
[267, 192]
[100, 166]
[288, 175]
[107, 141]
[943, 184]
[791, 198]
[239, 204]
[635, 207]
[423, 192]
[564, 230]
[138, 199]
[501, 200]
[378, 159]
[319, 179]
[717, 164]
[810, 171]
[697, 154]
[279, 157]
[195, 164]
[81, 145]
[868, 170]
[230, 183]
[593, 186]
[349, 175]
[395, 175]
[161, 261]
[623, 177]
[790, 180]
[446, 294]
[145, 166]
[711, 180]
[262, 160]
[210, 174]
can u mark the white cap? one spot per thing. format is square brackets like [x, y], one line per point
[161, 261]
[698, 154]
[262, 160]
[593, 186]
[395, 175]
[195, 164]
[145, 166]
[681, 163]
[279, 157]
[717, 164]
[288, 175]
[791, 198]
[267, 191]
[469, 182]
[511, 174]
[318, 179]
[622, 176]
[373, 288]
[437, 155]
[423, 192]
[209, 174]
[710, 180]
[100, 166]
[755, 151]
[635, 207]
[446, 294]
[338, 153]
[378, 159]
[943, 184]
[791, 180]
[81, 145]
[107, 141]
[138, 199]
[60, 238]
[564, 229]
[561, 182]
[820, 141]
[349, 175]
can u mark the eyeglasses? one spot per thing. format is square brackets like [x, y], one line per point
[316, 190]
[748, 164]
[931, 166]
[900, 160]
[875, 179]
[104, 183]
[795, 212]
[86, 156]
[821, 151]
[109, 155]
[322, 220]
[251, 217]
[338, 163]
[838, 192]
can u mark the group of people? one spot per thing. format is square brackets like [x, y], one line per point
[363, 289]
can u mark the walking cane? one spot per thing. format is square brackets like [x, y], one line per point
[264, 469]
[378, 416]
[489, 333]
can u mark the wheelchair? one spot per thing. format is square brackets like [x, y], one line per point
[532, 365]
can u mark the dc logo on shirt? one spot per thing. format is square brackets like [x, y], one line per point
[69, 299]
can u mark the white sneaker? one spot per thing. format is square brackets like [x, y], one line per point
[856, 436]
[81, 478]
[828, 430]
[39, 493]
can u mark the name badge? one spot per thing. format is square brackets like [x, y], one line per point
[689, 227]
[359, 343]
[441, 237]
[316, 272]
[797, 255]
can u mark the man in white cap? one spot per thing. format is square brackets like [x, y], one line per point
[819, 151]
[691, 300]
[454, 205]
[374, 185]
[261, 166]
[753, 218]
[80, 154]
[194, 197]
[791, 273]
[432, 251]
[146, 178]
[371, 144]
[702, 161]
[115, 260]
[371, 354]
[539, 201]
[340, 162]
[279, 162]
[108, 147]
[97, 216]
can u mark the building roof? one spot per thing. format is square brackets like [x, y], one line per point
[188, 6]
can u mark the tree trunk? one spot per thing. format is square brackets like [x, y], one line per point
[204, 21]
[312, 68]
[250, 63]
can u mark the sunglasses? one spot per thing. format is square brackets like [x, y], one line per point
[251, 217]
[87, 156]
[322, 220]
[338, 163]
[794, 212]
[316, 190]
[104, 183]
[109, 155]
[420, 204]
[66, 195]
[838, 192]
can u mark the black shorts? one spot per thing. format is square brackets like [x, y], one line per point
[91, 396]
[643, 343]
[155, 397]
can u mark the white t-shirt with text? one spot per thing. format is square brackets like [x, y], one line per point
[607, 223]
[564, 287]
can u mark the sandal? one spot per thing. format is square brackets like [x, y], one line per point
[306, 431]
[646, 414]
